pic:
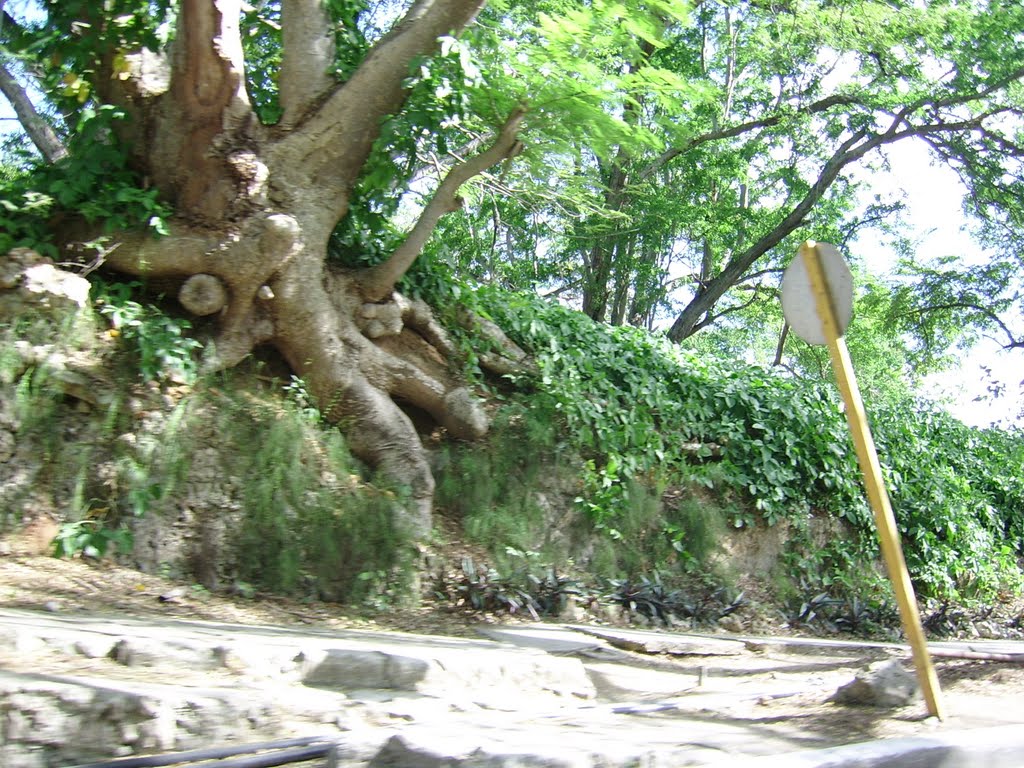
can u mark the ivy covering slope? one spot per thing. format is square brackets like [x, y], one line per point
[638, 407]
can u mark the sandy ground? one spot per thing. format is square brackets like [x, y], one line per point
[80, 586]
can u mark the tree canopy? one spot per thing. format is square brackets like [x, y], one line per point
[684, 155]
[676, 151]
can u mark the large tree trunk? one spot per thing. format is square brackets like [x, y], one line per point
[257, 204]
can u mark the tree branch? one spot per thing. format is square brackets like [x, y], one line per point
[762, 273]
[307, 55]
[834, 100]
[781, 346]
[42, 135]
[342, 131]
[688, 321]
[181, 254]
[1012, 342]
[713, 318]
[378, 281]
[820, 106]
[966, 98]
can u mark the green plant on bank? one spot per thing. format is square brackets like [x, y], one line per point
[492, 487]
[92, 537]
[312, 524]
[633, 404]
[36, 394]
[65, 449]
[852, 614]
[308, 523]
[527, 589]
[494, 490]
[960, 494]
[100, 504]
[295, 390]
[154, 470]
[36, 409]
[160, 342]
[104, 482]
[655, 531]
[834, 581]
[702, 600]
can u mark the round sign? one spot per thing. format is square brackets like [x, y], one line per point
[798, 304]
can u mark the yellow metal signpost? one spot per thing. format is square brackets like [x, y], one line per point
[892, 551]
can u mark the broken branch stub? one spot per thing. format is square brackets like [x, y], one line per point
[203, 295]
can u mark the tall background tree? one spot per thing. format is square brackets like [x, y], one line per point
[731, 132]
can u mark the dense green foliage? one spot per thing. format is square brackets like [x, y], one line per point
[772, 447]
[94, 182]
[672, 161]
[660, 447]
[675, 159]
[306, 518]
[309, 525]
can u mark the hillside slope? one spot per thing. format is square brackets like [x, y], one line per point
[624, 477]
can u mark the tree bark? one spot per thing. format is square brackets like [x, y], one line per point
[600, 259]
[307, 57]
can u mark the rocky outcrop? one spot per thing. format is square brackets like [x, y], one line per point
[84, 441]
[49, 343]
[886, 685]
[31, 285]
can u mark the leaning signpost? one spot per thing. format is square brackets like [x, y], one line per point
[817, 300]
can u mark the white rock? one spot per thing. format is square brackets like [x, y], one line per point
[887, 684]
